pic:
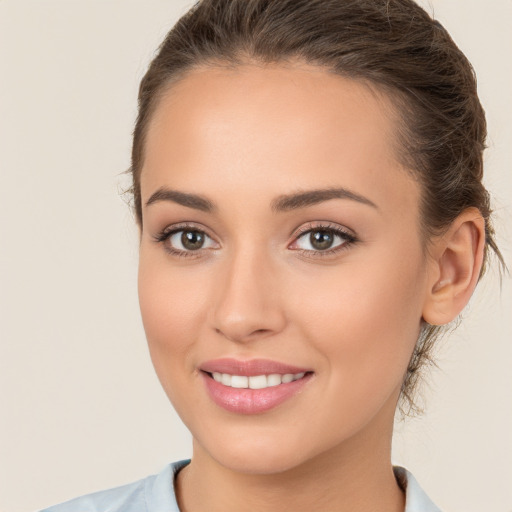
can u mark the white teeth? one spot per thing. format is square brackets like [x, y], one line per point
[239, 381]
[256, 381]
[273, 379]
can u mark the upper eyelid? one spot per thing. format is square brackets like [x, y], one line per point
[185, 226]
[325, 225]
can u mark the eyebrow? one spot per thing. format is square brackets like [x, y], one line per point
[282, 203]
[312, 197]
[185, 199]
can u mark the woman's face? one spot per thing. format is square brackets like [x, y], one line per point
[280, 237]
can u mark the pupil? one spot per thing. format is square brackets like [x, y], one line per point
[321, 239]
[192, 240]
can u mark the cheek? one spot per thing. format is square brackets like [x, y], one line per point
[172, 305]
[365, 323]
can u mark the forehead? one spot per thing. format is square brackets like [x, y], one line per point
[270, 127]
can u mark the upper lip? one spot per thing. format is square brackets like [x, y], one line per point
[250, 367]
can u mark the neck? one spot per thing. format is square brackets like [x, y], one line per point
[356, 476]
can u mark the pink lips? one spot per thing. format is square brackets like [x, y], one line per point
[251, 401]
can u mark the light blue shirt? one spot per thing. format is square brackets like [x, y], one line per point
[156, 494]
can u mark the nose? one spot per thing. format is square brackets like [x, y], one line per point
[247, 303]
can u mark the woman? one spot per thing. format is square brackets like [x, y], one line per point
[307, 185]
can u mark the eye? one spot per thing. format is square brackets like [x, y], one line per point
[324, 239]
[184, 241]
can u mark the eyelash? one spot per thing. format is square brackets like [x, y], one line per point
[166, 233]
[348, 239]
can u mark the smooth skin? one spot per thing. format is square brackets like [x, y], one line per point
[242, 139]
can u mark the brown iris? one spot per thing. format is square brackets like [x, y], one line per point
[321, 240]
[192, 240]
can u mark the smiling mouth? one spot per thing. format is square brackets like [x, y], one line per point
[255, 381]
[259, 390]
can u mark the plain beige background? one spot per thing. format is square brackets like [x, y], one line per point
[80, 407]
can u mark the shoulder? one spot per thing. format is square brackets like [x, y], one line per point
[151, 494]
[416, 500]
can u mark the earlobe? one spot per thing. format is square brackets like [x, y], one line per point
[457, 258]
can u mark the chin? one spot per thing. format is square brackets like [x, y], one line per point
[260, 451]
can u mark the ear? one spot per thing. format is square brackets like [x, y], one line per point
[456, 261]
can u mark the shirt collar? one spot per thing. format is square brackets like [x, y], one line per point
[416, 499]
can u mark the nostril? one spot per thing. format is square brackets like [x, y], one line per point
[233, 335]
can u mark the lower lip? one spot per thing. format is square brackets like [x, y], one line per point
[252, 401]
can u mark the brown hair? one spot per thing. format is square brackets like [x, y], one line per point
[393, 45]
